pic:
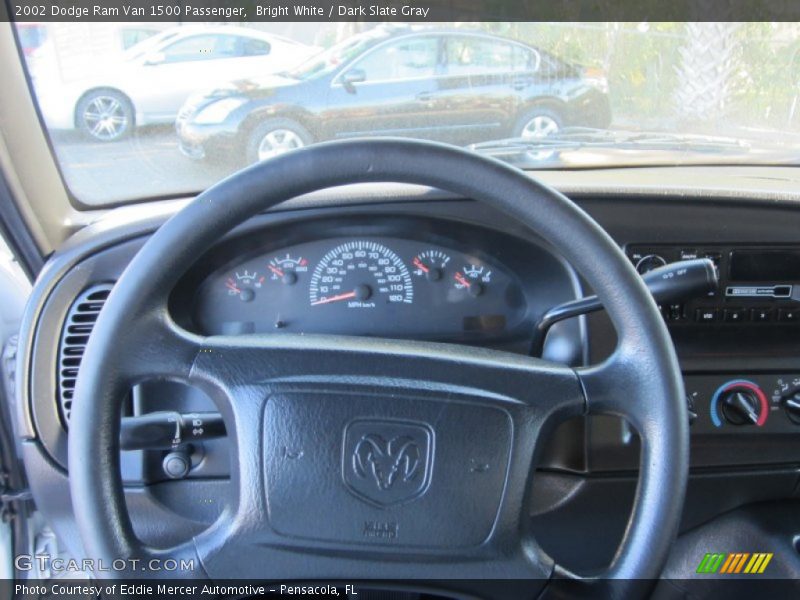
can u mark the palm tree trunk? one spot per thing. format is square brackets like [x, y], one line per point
[705, 72]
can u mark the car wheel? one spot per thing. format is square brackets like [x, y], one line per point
[105, 115]
[538, 123]
[275, 137]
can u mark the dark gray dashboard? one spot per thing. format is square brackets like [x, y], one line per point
[526, 278]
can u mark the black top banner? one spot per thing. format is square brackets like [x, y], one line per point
[400, 10]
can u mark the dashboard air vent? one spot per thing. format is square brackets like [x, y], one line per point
[77, 327]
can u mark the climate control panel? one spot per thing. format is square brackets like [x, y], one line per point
[744, 404]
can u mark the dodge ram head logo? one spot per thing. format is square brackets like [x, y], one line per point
[387, 462]
[384, 461]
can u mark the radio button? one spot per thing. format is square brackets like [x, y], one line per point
[735, 315]
[675, 312]
[789, 315]
[706, 315]
[761, 315]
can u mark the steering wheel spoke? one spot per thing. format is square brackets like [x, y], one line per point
[157, 348]
[610, 390]
[623, 385]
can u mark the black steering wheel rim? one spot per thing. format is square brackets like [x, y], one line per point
[641, 381]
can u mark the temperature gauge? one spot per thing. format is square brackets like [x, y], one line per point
[244, 284]
[430, 264]
[473, 278]
[286, 268]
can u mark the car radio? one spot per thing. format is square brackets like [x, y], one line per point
[758, 285]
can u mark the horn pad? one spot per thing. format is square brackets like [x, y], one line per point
[376, 468]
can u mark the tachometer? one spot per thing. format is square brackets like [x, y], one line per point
[360, 274]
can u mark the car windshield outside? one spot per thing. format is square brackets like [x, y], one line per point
[155, 110]
[332, 58]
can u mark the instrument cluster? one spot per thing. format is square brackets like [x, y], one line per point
[371, 285]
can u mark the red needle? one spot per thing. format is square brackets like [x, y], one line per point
[346, 296]
[232, 286]
[462, 280]
[276, 270]
[418, 263]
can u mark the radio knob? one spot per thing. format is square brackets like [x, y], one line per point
[649, 262]
[791, 404]
[740, 407]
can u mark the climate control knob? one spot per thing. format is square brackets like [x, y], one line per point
[791, 404]
[740, 407]
[739, 402]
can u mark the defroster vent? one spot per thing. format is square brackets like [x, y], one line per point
[74, 336]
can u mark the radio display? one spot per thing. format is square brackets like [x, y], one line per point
[765, 265]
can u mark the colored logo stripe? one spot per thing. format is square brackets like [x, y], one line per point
[758, 563]
[735, 562]
[710, 563]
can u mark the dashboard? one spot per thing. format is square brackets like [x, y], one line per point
[447, 269]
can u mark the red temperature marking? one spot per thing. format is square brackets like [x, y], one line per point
[418, 263]
[462, 280]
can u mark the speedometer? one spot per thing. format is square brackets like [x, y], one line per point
[360, 274]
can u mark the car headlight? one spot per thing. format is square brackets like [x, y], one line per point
[218, 111]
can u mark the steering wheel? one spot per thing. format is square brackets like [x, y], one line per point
[360, 458]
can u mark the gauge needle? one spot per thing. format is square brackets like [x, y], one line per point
[233, 287]
[346, 296]
[276, 270]
[418, 263]
[462, 280]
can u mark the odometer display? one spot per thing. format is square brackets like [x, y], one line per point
[360, 274]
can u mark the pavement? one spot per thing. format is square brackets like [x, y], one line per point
[146, 164]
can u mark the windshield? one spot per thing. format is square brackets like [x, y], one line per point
[141, 48]
[332, 58]
[138, 111]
